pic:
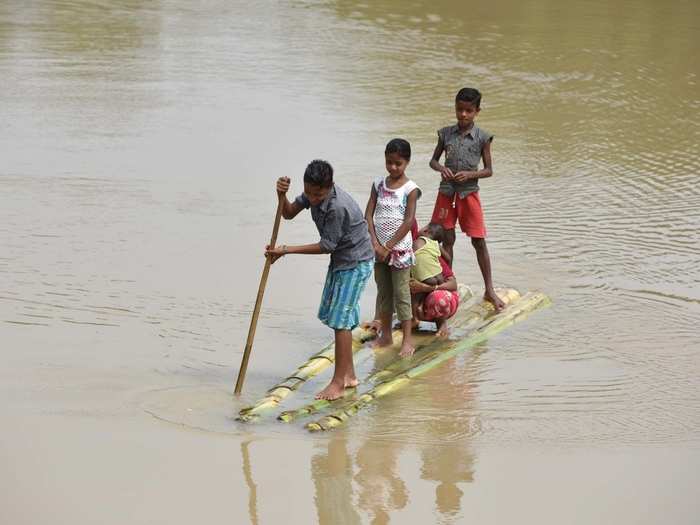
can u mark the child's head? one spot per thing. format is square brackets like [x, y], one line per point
[467, 106]
[397, 155]
[318, 181]
[433, 231]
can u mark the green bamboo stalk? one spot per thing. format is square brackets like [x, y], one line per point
[473, 317]
[312, 367]
[518, 311]
[316, 364]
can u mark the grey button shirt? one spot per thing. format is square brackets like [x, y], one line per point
[462, 153]
[342, 227]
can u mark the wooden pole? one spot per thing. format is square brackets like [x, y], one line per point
[258, 301]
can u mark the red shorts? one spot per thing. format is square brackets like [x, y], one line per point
[449, 209]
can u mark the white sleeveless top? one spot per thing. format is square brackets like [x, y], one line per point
[388, 217]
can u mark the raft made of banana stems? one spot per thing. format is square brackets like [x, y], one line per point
[435, 354]
[470, 317]
[316, 364]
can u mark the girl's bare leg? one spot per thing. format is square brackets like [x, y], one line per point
[385, 336]
[407, 348]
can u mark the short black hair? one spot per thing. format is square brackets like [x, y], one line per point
[470, 95]
[319, 173]
[437, 232]
[400, 146]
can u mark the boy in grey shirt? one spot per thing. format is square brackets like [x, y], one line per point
[344, 235]
[464, 144]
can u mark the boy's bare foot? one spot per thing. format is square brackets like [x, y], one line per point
[498, 304]
[334, 390]
[351, 382]
[407, 350]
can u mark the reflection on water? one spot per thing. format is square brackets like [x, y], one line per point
[381, 490]
[252, 488]
[140, 144]
[331, 469]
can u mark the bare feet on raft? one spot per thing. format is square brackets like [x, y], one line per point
[407, 350]
[443, 330]
[333, 391]
[383, 340]
[498, 304]
[336, 388]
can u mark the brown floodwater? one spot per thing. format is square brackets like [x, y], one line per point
[140, 144]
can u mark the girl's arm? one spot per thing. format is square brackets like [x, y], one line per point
[450, 284]
[445, 255]
[418, 244]
[487, 171]
[369, 216]
[408, 218]
[380, 251]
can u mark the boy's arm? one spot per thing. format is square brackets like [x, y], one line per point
[289, 209]
[445, 172]
[305, 249]
[408, 218]
[282, 250]
[487, 171]
[330, 237]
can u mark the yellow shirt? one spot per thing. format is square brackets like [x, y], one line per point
[427, 261]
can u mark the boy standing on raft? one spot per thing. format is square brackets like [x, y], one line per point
[345, 237]
[464, 145]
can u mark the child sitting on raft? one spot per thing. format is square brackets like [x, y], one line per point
[427, 270]
[433, 285]
[436, 299]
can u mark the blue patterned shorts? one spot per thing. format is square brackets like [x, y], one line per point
[340, 301]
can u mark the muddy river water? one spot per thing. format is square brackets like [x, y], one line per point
[140, 142]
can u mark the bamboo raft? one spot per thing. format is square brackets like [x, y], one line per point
[431, 356]
[316, 364]
[475, 322]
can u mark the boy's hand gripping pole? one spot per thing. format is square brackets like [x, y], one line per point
[258, 300]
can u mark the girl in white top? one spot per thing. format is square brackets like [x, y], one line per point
[391, 210]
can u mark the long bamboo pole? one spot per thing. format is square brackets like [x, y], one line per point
[258, 300]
